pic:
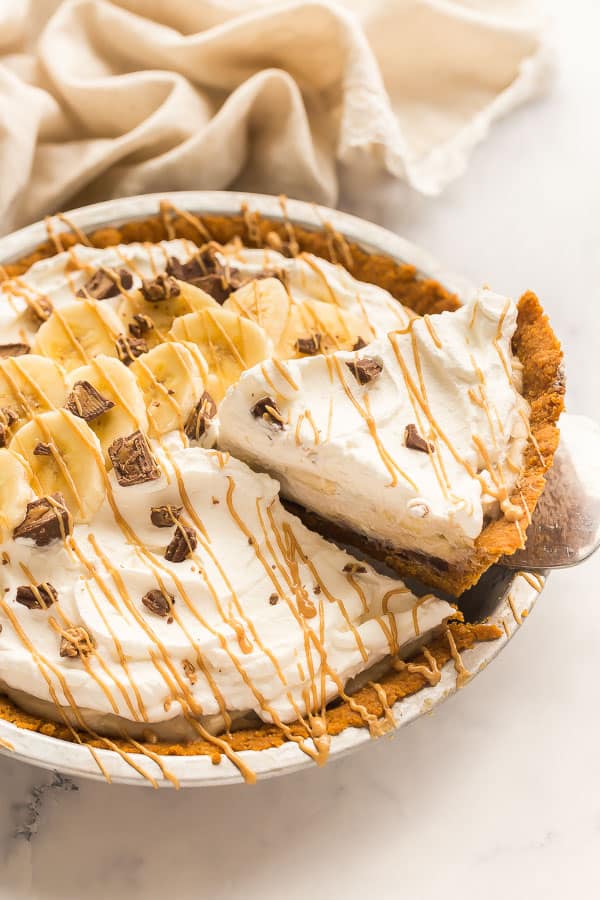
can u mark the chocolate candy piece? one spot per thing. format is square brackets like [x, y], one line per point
[36, 596]
[76, 641]
[46, 520]
[132, 460]
[158, 602]
[165, 516]
[163, 287]
[182, 545]
[414, 441]
[266, 409]
[129, 348]
[105, 283]
[86, 402]
[200, 417]
[365, 369]
[309, 345]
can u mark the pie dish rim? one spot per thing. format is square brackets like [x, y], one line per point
[374, 239]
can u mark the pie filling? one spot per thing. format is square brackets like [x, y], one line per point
[413, 441]
[152, 584]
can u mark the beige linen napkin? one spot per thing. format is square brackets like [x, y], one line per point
[102, 98]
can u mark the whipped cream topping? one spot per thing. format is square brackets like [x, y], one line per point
[267, 616]
[309, 277]
[59, 277]
[343, 449]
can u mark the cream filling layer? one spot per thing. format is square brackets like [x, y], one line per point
[342, 451]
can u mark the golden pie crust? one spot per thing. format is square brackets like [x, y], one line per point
[543, 386]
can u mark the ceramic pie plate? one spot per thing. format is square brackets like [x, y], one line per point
[503, 597]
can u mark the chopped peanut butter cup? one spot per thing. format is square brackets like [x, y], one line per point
[309, 345]
[76, 642]
[165, 516]
[200, 417]
[140, 325]
[183, 544]
[414, 441]
[129, 348]
[86, 402]
[46, 520]
[161, 288]
[266, 409]
[36, 596]
[158, 602]
[106, 283]
[132, 460]
[365, 369]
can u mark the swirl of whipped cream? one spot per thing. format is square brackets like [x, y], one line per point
[268, 617]
[344, 452]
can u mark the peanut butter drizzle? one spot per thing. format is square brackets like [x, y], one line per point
[388, 723]
[511, 603]
[267, 378]
[283, 371]
[424, 405]
[432, 674]
[21, 289]
[166, 773]
[183, 594]
[82, 238]
[57, 457]
[6, 744]
[8, 375]
[42, 664]
[534, 581]
[365, 413]
[497, 338]
[462, 674]
[310, 637]
[506, 628]
[107, 593]
[432, 331]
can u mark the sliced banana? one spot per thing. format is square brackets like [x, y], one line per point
[77, 332]
[228, 342]
[264, 301]
[336, 328]
[15, 491]
[164, 312]
[115, 382]
[64, 455]
[30, 385]
[172, 379]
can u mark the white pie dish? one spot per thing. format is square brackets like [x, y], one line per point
[73, 759]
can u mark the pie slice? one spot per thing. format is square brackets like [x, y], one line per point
[426, 448]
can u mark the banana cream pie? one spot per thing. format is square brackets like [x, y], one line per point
[155, 591]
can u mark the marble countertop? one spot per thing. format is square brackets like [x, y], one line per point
[498, 793]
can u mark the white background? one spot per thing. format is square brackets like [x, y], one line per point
[496, 795]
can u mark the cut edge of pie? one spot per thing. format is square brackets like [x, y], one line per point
[543, 386]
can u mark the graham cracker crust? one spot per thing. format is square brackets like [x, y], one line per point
[534, 343]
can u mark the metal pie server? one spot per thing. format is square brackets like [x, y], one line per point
[565, 526]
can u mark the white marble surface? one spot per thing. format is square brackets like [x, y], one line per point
[498, 793]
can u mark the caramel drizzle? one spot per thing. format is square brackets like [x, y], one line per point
[462, 673]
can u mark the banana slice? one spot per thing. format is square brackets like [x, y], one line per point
[116, 383]
[77, 332]
[15, 491]
[162, 314]
[30, 385]
[326, 327]
[64, 456]
[228, 342]
[264, 301]
[172, 379]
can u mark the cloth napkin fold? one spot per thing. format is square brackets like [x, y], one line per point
[103, 98]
